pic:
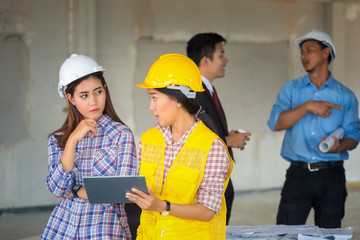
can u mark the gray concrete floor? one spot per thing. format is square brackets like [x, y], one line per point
[250, 208]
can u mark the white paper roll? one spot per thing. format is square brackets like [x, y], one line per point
[329, 141]
[240, 130]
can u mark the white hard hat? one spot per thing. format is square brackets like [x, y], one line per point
[74, 68]
[319, 36]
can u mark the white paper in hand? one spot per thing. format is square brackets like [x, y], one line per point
[240, 131]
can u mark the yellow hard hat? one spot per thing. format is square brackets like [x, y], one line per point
[174, 71]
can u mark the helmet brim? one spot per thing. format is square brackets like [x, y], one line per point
[298, 41]
[145, 85]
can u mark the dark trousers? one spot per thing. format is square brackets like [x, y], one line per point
[324, 190]
[133, 213]
[229, 198]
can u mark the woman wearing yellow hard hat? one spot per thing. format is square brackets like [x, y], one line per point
[186, 165]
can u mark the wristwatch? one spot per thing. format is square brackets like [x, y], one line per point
[166, 211]
[75, 189]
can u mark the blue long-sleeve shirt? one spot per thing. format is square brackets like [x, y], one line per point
[301, 140]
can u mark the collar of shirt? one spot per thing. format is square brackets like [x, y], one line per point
[329, 82]
[102, 123]
[208, 84]
[103, 120]
[167, 134]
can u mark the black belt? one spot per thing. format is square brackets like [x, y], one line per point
[316, 166]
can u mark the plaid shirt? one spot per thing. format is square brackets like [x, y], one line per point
[217, 166]
[111, 152]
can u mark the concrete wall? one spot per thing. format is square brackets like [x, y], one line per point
[126, 37]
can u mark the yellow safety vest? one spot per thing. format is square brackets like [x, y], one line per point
[181, 186]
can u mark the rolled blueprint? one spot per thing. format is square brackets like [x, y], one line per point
[329, 141]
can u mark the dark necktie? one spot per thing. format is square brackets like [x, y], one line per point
[218, 106]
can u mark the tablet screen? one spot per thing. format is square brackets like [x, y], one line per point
[112, 189]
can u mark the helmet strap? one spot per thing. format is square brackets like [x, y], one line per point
[199, 112]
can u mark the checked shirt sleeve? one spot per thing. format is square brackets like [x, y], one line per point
[216, 169]
[58, 181]
[127, 154]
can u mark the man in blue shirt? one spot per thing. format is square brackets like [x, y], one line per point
[310, 108]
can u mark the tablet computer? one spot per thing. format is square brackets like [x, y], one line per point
[112, 189]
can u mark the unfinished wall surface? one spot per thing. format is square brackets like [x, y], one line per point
[43, 47]
[347, 70]
[126, 37]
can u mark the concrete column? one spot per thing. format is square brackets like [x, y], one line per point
[82, 27]
[338, 36]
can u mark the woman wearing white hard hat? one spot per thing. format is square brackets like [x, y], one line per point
[186, 165]
[92, 141]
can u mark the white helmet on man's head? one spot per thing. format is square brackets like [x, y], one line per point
[320, 36]
[74, 68]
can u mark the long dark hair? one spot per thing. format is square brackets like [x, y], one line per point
[74, 117]
[190, 105]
